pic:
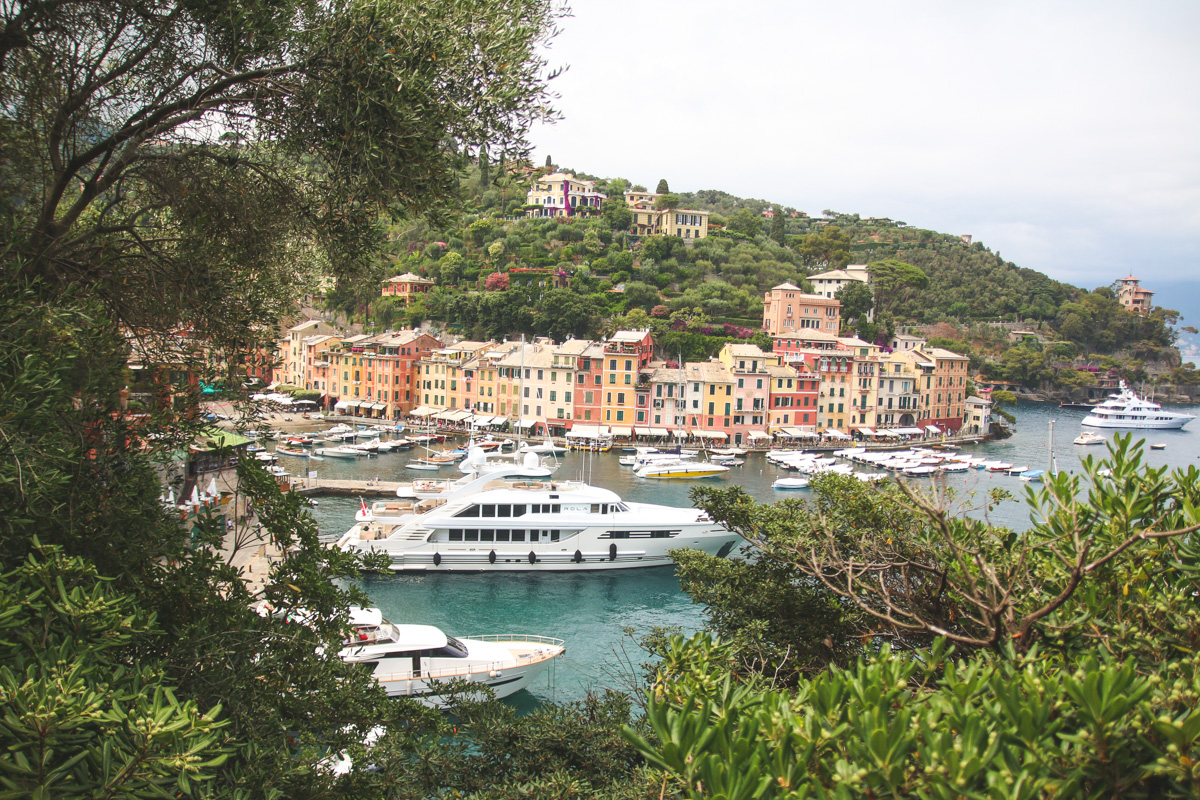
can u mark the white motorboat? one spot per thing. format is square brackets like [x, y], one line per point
[547, 447]
[728, 451]
[411, 660]
[511, 521]
[338, 452]
[1090, 437]
[790, 483]
[1126, 410]
[680, 468]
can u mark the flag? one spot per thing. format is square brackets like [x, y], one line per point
[364, 505]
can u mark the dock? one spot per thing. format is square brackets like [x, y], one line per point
[325, 487]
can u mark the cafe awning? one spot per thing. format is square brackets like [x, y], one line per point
[422, 411]
[621, 430]
[758, 435]
[867, 431]
[584, 432]
[933, 429]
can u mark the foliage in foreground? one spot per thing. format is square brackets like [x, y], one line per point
[1061, 662]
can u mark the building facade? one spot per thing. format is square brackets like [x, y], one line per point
[561, 194]
[788, 310]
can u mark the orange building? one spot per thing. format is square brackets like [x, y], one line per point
[788, 310]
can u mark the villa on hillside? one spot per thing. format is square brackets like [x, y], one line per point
[686, 223]
[1133, 296]
[406, 286]
[561, 194]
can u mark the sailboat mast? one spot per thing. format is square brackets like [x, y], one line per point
[1050, 462]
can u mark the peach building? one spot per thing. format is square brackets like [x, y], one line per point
[406, 286]
[788, 310]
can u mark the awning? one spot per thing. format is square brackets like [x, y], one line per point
[460, 415]
[621, 430]
[422, 411]
[642, 432]
[885, 433]
[933, 429]
[907, 431]
[758, 434]
[341, 405]
[584, 432]
[867, 431]
[525, 423]
[711, 434]
[680, 433]
[659, 432]
[834, 433]
[445, 416]
[797, 433]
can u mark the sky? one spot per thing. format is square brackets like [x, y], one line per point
[1063, 135]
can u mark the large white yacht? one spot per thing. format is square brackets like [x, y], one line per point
[1126, 410]
[410, 660]
[515, 522]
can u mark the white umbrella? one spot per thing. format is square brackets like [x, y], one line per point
[195, 501]
[212, 489]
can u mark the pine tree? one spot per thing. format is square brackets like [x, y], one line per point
[777, 226]
[662, 186]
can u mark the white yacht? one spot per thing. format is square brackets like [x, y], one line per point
[410, 660]
[1126, 410]
[1090, 438]
[514, 522]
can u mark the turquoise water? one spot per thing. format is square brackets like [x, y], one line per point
[592, 610]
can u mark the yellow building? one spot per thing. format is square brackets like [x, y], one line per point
[686, 223]
[561, 194]
[626, 354]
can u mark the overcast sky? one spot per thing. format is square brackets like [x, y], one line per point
[1064, 135]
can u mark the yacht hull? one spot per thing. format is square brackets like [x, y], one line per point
[1092, 421]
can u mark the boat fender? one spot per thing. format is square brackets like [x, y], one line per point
[612, 552]
[532, 557]
[492, 557]
[578, 556]
[437, 559]
[495, 673]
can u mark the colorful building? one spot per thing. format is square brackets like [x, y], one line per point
[561, 194]
[788, 310]
[1133, 296]
[406, 286]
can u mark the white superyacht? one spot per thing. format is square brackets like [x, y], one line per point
[1126, 410]
[518, 520]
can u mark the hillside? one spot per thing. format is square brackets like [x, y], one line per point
[485, 263]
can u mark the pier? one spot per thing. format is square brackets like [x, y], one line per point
[324, 487]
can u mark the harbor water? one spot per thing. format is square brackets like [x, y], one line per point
[601, 614]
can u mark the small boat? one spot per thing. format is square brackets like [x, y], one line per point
[728, 461]
[1032, 475]
[338, 452]
[627, 461]
[999, 466]
[1090, 437]
[548, 446]
[728, 451]
[1016, 471]
[790, 483]
[289, 451]
[1158, 446]
[418, 464]
[409, 660]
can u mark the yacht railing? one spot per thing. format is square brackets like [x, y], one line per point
[517, 637]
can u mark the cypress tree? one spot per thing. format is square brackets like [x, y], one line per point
[662, 186]
[549, 161]
[484, 177]
[777, 226]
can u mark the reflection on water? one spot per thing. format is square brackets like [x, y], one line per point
[590, 610]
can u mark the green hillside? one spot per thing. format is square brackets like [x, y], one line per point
[712, 289]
